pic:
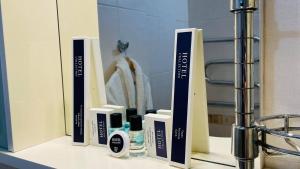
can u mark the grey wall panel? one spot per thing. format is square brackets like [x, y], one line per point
[3, 140]
[3, 93]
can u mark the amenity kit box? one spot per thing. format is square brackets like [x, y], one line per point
[164, 112]
[189, 104]
[157, 135]
[99, 125]
[81, 65]
[88, 89]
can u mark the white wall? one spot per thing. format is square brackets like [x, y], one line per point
[148, 25]
[76, 19]
[216, 20]
[281, 67]
[281, 60]
[32, 59]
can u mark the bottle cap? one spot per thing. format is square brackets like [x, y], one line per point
[130, 112]
[136, 123]
[116, 120]
[152, 111]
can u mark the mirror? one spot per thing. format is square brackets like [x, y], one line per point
[148, 27]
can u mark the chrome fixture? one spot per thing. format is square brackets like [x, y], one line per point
[245, 136]
[219, 82]
[284, 132]
[226, 39]
[222, 82]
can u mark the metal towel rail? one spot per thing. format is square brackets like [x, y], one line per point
[224, 82]
[226, 39]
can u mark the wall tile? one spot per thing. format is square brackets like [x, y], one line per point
[153, 54]
[281, 67]
[151, 7]
[133, 29]
[162, 90]
[205, 10]
[166, 31]
[173, 9]
[108, 2]
[139, 5]
[109, 35]
[149, 26]
[224, 50]
[215, 28]
[289, 19]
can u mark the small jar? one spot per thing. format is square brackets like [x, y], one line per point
[115, 123]
[118, 144]
[136, 135]
[129, 112]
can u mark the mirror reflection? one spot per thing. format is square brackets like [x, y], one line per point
[137, 45]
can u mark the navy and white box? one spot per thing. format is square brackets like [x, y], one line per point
[189, 105]
[80, 90]
[157, 135]
[99, 125]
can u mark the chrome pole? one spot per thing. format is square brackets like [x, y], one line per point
[244, 134]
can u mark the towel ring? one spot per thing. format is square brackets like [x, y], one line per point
[283, 132]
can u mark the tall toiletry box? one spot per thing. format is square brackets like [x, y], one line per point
[189, 103]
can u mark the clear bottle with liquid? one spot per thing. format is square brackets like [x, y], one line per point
[129, 112]
[136, 135]
[115, 123]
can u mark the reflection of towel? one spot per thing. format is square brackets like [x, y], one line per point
[129, 89]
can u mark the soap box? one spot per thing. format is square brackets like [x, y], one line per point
[99, 125]
[157, 135]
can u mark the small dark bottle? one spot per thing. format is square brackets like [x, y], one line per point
[115, 122]
[129, 112]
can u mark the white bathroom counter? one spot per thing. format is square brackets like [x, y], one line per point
[59, 153]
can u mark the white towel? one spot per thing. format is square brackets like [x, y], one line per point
[129, 89]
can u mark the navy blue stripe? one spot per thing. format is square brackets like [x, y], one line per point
[160, 139]
[102, 130]
[78, 73]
